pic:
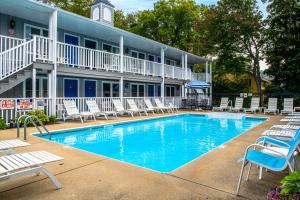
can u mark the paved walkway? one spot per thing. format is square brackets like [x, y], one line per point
[88, 176]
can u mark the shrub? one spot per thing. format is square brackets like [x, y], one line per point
[37, 113]
[52, 119]
[291, 186]
[3, 125]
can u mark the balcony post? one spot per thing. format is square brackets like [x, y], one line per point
[34, 87]
[206, 72]
[121, 89]
[162, 88]
[53, 57]
[210, 74]
[182, 66]
[144, 67]
[121, 54]
[185, 66]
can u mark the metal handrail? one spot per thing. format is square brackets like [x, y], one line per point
[31, 118]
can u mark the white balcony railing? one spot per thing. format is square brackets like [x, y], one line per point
[77, 56]
[140, 66]
[9, 42]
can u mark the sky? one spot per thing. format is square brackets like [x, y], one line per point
[136, 5]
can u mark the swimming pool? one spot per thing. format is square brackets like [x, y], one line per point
[161, 144]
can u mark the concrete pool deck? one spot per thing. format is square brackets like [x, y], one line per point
[87, 176]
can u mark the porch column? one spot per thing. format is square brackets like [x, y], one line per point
[121, 54]
[121, 89]
[162, 87]
[34, 87]
[182, 76]
[53, 55]
[206, 72]
[210, 74]
[186, 74]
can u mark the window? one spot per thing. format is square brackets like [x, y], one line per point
[151, 58]
[158, 59]
[170, 91]
[96, 14]
[110, 48]
[134, 54]
[41, 87]
[30, 31]
[142, 56]
[111, 89]
[170, 62]
[137, 90]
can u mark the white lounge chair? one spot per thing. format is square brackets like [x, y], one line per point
[288, 106]
[294, 121]
[150, 107]
[94, 109]
[173, 107]
[120, 109]
[22, 164]
[8, 146]
[272, 106]
[238, 106]
[223, 105]
[286, 127]
[280, 133]
[73, 112]
[254, 107]
[159, 104]
[134, 108]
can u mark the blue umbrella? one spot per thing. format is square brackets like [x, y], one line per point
[197, 85]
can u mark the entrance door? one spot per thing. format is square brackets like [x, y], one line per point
[89, 88]
[150, 90]
[72, 51]
[70, 88]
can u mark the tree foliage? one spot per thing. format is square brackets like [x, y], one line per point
[233, 32]
[283, 44]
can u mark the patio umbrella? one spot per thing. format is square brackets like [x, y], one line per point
[197, 85]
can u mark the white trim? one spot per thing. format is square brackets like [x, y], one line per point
[33, 26]
[96, 92]
[77, 79]
[72, 36]
[92, 40]
[138, 90]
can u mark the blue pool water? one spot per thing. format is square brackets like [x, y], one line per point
[161, 144]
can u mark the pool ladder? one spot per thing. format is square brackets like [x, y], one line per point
[33, 120]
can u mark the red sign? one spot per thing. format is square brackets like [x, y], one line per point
[7, 104]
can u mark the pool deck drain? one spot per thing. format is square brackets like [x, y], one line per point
[88, 176]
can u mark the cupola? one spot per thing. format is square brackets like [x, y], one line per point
[103, 11]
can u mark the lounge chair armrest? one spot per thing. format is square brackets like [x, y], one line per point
[272, 141]
[264, 147]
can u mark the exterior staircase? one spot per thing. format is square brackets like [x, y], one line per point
[14, 80]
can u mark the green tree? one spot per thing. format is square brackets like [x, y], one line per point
[233, 32]
[80, 7]
[283, 44]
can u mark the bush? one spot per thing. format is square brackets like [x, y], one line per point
[291, 186]
[52, 119]
[3, 125]
[37, 113]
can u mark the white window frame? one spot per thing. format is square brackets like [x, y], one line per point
[103, 43]
[78, 89]
[145, 56]
[33, 26]
[170, 86]
[85, 39]
[95, 88]
[153, 57]
[111, 88]
[69, 34]
[138, 90]
[133, 51]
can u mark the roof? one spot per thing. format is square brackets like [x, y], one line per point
[75, 23]
[105, 2]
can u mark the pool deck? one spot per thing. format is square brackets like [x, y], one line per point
[89, 176]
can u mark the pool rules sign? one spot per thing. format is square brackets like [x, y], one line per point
[7, 104]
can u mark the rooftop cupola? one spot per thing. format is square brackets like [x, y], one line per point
[103, 11]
